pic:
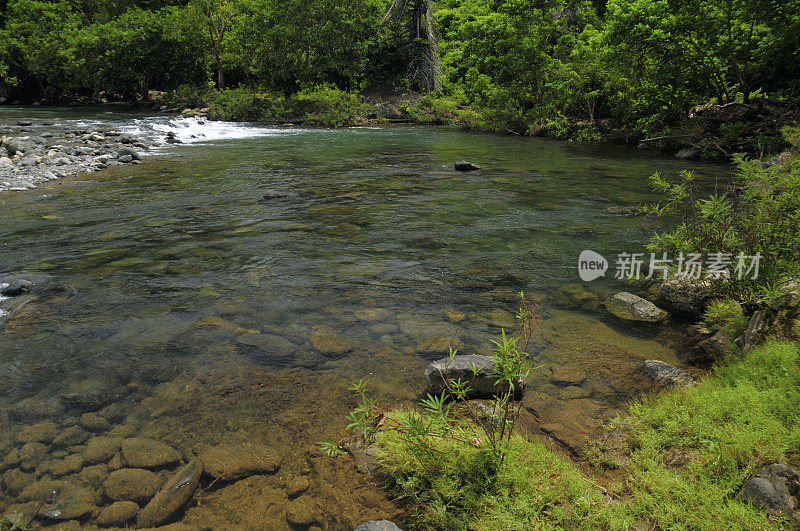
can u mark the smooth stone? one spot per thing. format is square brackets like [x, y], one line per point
[118, 514]
[94, 422]
[503, 319]
[771, 489]
[126, 151]
[371, 314]
[36, 408]
[31, 454]
[235, 461]
[94, 475]
[16, 287]
[125, 159]
[302, 511]
[15, 480]
[140, 452]
[174, 495]
[683, 295]
[327, 341]
[454, 315]
[629, 307]
[131, 484]
[567, 375]
[665, 374]
[43, 432]
[101, 449]
[61, 467]
[70, 501]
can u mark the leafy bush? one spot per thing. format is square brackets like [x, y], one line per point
[328, 105]
[725, 315]
[759, 216]
[241, 104]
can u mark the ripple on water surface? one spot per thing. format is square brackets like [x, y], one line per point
[231, 292]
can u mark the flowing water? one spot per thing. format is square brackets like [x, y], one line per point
[204, 313]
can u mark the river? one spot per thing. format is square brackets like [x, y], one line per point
[199, 312]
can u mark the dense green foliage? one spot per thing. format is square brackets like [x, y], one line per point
[684, 456]
[757, 218]
[567, 68]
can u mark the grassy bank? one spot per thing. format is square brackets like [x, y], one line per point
[683, 455]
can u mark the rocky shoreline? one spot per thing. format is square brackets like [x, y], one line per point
[31, 155]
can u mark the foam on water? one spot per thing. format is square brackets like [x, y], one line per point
[191, 130]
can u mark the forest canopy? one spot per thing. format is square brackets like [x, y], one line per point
[519, 64]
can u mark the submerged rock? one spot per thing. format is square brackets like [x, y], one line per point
[235, 461]
[131, 484]
[303, 511]
[174, 495]
[629, 307]
[665, 374]
[118, 514]
[43, 432]
[326, 340]
[477, 369]
[71, 436]
[440, 345]
[463, 165]
[140, 452]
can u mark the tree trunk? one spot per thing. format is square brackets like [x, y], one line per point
[220, 78]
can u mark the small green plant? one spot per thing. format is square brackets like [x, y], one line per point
[725, 315]
[364, 417]
[330, 448]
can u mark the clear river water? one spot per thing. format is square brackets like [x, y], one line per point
[192, 310]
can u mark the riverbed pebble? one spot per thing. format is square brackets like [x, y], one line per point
[28, 160]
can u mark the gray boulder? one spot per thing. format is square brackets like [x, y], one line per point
[12, 145]
[474, 368]
[16, 287]
[683, 295]
[378, 525]
[666, 375]
[775, 489]
[127, 151]
[781, 320]
[629, 307]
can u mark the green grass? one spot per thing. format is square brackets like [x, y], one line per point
[741, 417]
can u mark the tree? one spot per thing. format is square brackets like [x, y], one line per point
[423, 63]
[219, 15]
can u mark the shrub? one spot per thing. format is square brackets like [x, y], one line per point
[725, 315]
[759, 216]
[328, 105]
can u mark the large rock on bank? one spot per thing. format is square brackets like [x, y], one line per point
[474, 368]
[665, 374]
[685, 296]
[781, 320]
[629, 307]
[775, 489]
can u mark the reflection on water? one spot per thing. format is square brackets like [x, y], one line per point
[231, 291]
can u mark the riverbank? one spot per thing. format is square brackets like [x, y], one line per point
[32, 154]
[682, 459]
